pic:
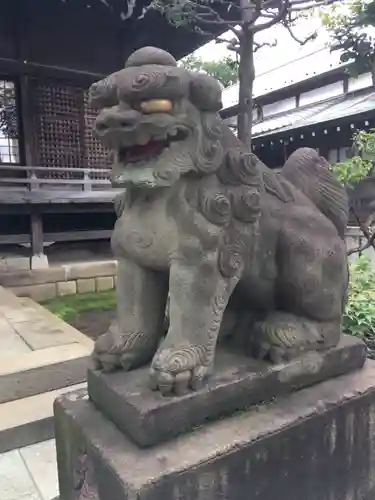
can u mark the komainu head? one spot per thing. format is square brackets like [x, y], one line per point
[159, 120]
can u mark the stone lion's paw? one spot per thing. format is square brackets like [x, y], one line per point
[175, 371]
[104, 357]
[111, 353]
[263, 349]
[282, 336]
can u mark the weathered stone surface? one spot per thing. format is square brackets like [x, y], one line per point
[29, 420]
[90, 269]
[55, 321]
[40, 460]
[104, 283]
[10, 342]
[15, 480]
[3, 265]
[33, 277]
[40, 371]
[40, 293]
[17, 263]
[315, 444]
[39, 261]
[86, 285]
[238, 383]
[41, 333]
[66, 288]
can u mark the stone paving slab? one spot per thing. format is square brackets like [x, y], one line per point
[15, 480]
[40, 460]
[27, 326]
[75, 335]
[29, 473]
[10, 341]
[42, 333]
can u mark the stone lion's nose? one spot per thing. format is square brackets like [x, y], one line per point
[103, 94]
[114, 118]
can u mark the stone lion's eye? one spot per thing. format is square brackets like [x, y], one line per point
[156, 106]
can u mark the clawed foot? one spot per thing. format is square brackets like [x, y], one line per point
[175, 370]
[114, 351]
[282, 337]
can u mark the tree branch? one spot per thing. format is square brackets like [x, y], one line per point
[283, 10]
[207, 15]
[370, 243]
[217, 22]
[234, 45]
[258, 46]
[363, 227]
[218, 39]
[312, 36]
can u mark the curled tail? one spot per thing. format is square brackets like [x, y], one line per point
[311, 174]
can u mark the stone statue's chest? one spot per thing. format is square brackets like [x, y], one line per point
[145, 234]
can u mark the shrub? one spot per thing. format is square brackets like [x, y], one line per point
[359, 317]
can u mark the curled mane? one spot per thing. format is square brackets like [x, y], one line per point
[228, 200]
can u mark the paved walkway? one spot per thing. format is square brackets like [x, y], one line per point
[41, 357]
[29, 473]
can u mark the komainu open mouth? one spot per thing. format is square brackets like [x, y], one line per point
[139, 153]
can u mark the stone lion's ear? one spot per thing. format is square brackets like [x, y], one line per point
[205, 92]
[103, 93]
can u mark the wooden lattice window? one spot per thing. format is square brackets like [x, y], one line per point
[96, 156]
[9, 137]
[59, 109]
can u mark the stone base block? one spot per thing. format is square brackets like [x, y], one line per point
[39, 261]
[238, 383]
[315, 444]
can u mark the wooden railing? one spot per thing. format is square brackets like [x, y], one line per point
[32, 180]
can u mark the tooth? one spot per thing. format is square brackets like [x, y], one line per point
[143, 139]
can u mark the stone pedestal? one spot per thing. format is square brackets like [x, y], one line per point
[314, 444]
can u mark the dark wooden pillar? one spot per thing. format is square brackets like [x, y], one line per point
[27, 121]
[38, 259]
[28, 130]
[36, 232]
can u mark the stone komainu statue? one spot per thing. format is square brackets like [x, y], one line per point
[240, 250]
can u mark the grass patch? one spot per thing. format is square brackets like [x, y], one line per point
[70, 307]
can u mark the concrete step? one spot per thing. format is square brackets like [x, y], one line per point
[30, 373]
[29, 420]
[41, 358]
[38, 351]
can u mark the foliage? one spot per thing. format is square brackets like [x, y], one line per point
[359, 317]
[359, 166]
[225, 70]
[71, 306]
[347, 26]
[354, 170]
